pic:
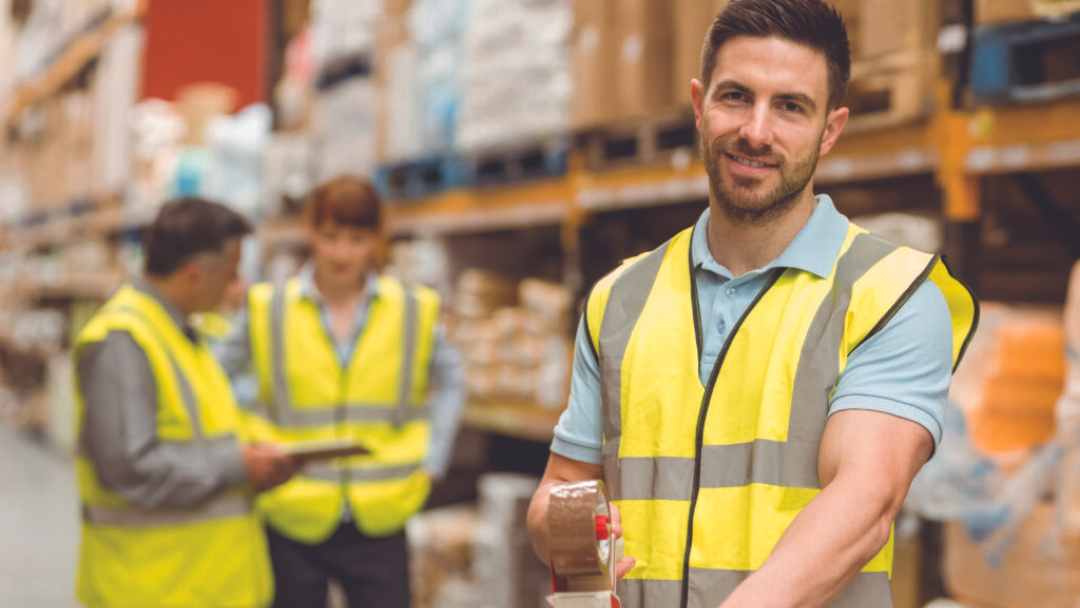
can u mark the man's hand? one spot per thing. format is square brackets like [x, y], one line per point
[268, 465]
[564, 470]
[626, 564]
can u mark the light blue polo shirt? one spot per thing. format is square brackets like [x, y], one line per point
[902, 370]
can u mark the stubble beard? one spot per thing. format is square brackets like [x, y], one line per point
[754, 209]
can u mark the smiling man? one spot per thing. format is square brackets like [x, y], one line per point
[759, 391]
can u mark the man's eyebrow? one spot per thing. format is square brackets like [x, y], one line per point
[729, 84]
[802, 98]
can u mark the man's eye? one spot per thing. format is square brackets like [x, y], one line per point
[791, 106]
[733, 96]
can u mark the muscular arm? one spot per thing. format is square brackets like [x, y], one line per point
[885, 417]
[867, 461]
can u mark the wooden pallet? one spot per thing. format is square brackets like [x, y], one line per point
[889, 91]
[516, 164]
[1056, 9]
[418, 178]
[644, 142]
[1026, 62]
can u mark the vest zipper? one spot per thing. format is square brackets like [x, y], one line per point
[703, 414]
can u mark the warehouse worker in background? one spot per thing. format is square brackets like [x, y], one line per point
[341, 352]
[166, 487]
[759, 391]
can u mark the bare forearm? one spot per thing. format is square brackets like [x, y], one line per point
[822, 551]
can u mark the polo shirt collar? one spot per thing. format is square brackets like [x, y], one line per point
[814, 248]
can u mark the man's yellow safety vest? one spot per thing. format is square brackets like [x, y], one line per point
[379, 400]
[708, 478]
[213, 554]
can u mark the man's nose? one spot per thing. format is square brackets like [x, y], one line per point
[757, 130]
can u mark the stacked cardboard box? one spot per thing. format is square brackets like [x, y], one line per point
[1034, 572]
[514, 338]
[692, 21]
[1012, 377]
[57, 156]
[440, 543]
[993, 12]
[633, 58]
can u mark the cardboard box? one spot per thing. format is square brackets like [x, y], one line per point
[887, 26]
[988, 12]
[1029, 575]
[592, 62]
[644, 58]
[692, 21]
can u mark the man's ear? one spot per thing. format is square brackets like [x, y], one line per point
[834, 125]
[697, 98]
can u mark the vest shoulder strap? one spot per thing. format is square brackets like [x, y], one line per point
[597, 302]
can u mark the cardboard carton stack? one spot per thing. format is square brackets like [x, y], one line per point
[1010, 383]
[514, 338]
[440, 544]
[1035, 571]
[692, 21]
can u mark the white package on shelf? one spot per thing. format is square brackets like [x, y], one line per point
[517, 81]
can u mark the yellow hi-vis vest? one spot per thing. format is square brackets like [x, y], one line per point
[213, 554]
[708, 478]
[379, 400]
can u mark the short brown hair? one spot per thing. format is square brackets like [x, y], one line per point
[347, 200]
[812, 23]
[186, 227]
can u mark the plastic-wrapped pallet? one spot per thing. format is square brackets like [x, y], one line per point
[341, 28]
[343, 129]
[436, 28]
[517, 82]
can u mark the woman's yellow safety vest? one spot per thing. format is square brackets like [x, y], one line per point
[213, 554]
[708, 478]
[379, 400]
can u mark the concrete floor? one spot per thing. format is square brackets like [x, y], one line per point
[39, 530]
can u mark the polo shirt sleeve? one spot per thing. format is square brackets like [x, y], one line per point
[579, 433]
[905, 368]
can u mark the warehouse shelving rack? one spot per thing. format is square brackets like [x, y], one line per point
[957, 149]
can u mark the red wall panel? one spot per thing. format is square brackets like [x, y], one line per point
[189, 41]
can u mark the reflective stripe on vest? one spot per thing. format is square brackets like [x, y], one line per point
[774, 463]
[284, 414]
[227, 505]
[186, 393]
[662, 492]
[324, 472]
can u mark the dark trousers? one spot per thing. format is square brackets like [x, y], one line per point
[374, 572]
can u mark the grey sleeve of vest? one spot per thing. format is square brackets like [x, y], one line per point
[447, 401]
[119, 434]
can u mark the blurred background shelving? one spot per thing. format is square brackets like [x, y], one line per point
[523, 149]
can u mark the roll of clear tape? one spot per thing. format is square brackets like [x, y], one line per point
[578, 530]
